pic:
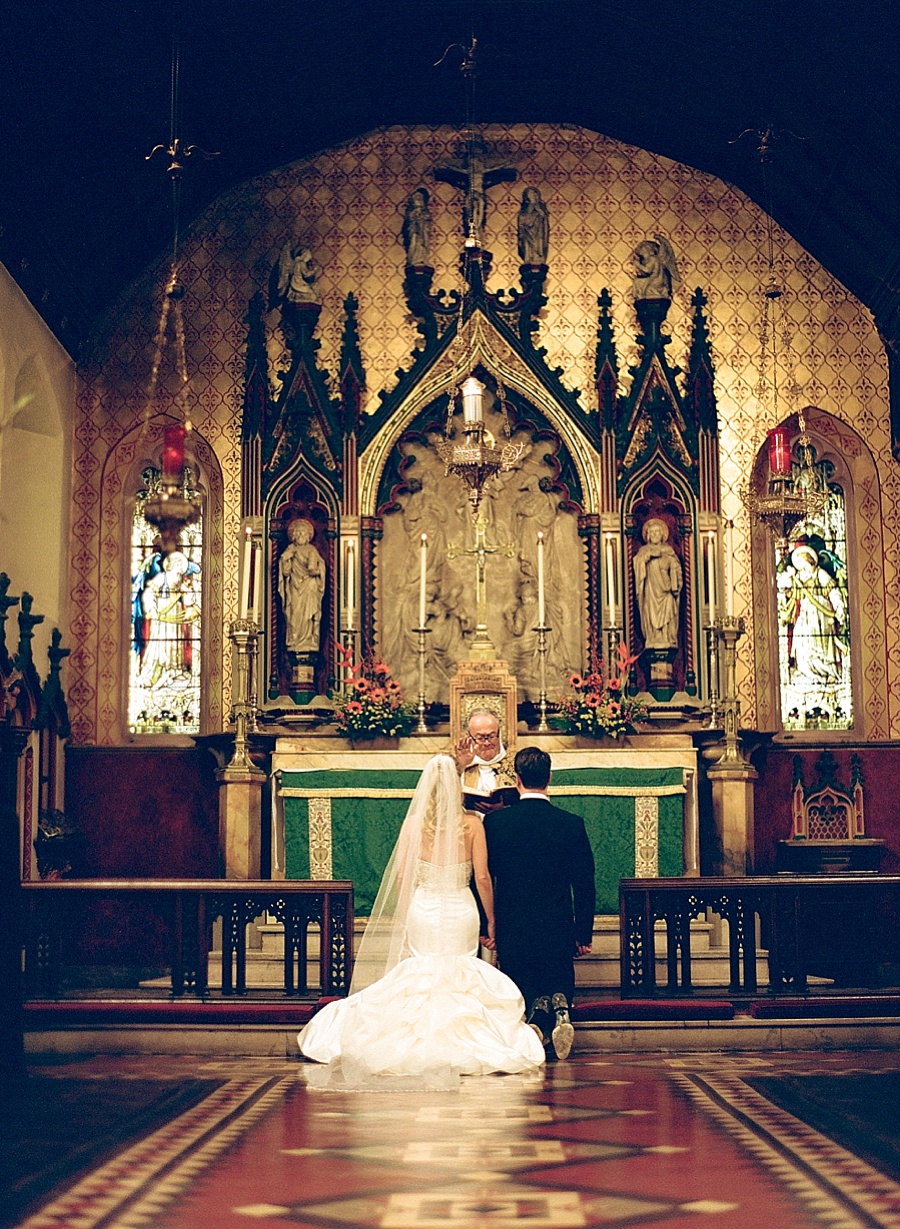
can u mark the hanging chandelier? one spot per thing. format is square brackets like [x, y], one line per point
[793, 493]
[174, 504]
[479, 456]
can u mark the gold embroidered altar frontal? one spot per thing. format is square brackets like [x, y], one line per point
[339, 813]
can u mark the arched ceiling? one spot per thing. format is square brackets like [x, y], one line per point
[84, 95]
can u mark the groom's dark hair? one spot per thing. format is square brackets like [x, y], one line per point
[532, 767]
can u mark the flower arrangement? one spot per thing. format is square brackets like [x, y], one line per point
[598, 704]
[370, 702]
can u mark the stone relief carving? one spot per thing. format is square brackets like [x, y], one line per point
[516, 505]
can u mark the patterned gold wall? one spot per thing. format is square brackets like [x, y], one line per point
[347, 204]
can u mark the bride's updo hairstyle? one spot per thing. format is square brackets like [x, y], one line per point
[431, 831]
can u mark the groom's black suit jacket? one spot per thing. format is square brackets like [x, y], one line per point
[543, 869]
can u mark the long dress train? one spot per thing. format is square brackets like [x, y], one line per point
[439, 1013]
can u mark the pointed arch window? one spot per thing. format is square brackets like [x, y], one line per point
[166, 622]
[814, 660]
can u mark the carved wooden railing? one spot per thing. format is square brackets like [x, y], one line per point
[188, 908]
[844, 927]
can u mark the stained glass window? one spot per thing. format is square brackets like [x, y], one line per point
[813, 614]
[166, 623]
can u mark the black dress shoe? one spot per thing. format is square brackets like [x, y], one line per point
[540, 1008]
[563, 1033]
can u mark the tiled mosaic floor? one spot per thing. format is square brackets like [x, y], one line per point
[604, 1140]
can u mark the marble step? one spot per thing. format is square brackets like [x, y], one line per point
[709, 956]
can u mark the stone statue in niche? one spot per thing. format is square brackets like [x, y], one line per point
[301, 587]
[417, 229]
[655, 269]
[516, 505]
[657, 583]
[533, 228]
[294, 279]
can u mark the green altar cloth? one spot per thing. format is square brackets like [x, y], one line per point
[342, 824]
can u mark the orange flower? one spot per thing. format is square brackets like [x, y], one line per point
[392, 686]
[378, 694]
[614, 708]
[354, 706]
[592, 699]
[614, 684]
[361, 685]
[380, 668]
[575, 680]
[595, 681]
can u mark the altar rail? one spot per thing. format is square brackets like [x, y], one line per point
[845, 928]
[188, 908]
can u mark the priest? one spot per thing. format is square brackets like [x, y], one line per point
[486, 768]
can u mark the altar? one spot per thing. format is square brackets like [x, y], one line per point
[336, 814]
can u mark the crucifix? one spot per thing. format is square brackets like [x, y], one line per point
[473, 175]
[481, 648]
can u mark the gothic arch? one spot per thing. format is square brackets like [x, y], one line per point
[854, 468]
[498, 358]
[137, 448]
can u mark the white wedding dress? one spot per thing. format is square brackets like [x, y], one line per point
[439, 1013]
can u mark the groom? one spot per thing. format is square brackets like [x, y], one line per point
[543, 870]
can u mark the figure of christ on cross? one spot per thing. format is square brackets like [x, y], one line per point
[481, 648]
[473, 176]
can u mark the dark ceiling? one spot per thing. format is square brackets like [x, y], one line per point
[85, 94]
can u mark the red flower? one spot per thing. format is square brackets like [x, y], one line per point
[595, 681]
[575, 680]
[614, 684]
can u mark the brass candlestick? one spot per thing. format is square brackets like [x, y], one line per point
[542, 629]
[712, 659]
[421, 632]
[244, 634]
[613, 640]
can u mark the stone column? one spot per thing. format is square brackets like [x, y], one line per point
[240, 820]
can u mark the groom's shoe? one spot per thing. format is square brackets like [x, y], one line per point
[563, 1033]
[540, 1008]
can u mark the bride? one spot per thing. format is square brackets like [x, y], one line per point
[423, 1007]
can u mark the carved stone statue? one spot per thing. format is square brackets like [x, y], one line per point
[295, 276]
[656, 270]
[657, 582]
[301, 586]
[417, 229]
[533, 228]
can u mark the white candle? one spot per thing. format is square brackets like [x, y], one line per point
[257, 579]
[350, 583]
[244, 610]
[611, 579]
[540, 563]
[422, 571]
[711, 575]
[729, 567]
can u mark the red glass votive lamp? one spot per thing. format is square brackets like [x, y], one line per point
[779, 453]
[173, 453]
